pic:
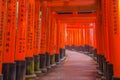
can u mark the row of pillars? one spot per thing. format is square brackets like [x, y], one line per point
[107, 32]
[106, 39]
[81, 36]
[30, 40]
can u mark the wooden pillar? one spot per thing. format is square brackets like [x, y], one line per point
[83, 35]
[114, 37]
[94, 36]
[62, 41]
[43, 37]
[9, 66]
[48, 38]
[58, 42]
[51, 39]
[61, 38]
[30, 39]
[80, 38]
[74, 38]
[37, 37]
[68, 37]
[21, 40]
[87, 38]
[106, 59]
[2, 30]
[56, 53]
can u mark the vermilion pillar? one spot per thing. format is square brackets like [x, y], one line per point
[80, 39]
[62, 41]
[86, 35]
[58, 42]
[103, 40]
[55, 39]
[37, 37]
[9, 66]
[51, 46]
[114, 37]
[94, 36]
[70, 36]
[99, 38]
[107, 63]
[21, 40]
[30, 39]
[77, 32]
[43, 37]
[2, 26]
[48, 38]
[75, 37]
[87, 38]
[83, 35]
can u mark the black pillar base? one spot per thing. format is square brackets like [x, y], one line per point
[52, 61]
[95, 54]
[62, 53]
[43, 63]
[30, 75]
[67, 47]
[57, 58]
[1, 77]
[109, 71]
[104, 66]
[9, 71]
[116, 79]
[100, 62]
[29, 65]
[86, 48]
[80, 48]
[20, 70]
[48, 60]
[98, 58]
[36, 63]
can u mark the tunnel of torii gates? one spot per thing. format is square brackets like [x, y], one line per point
[34, 35]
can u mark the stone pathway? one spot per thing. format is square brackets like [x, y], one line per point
[77, 66]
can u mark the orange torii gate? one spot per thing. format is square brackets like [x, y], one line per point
[28, 44]
[70, 19]
[69, 37]
[77, 34]
[88, 38]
